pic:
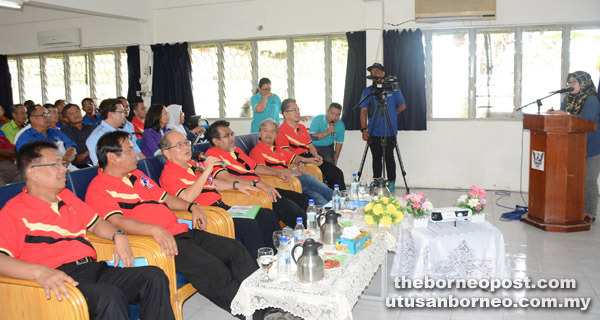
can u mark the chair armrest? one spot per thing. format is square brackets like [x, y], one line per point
[26, 299]
[310, 169]
[234, 197]
[276, 182]
[142, 246]
[219, 221]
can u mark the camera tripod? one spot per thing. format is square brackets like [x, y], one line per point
[381, 111]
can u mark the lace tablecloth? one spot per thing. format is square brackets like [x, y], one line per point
[469, 250]
[331, 298]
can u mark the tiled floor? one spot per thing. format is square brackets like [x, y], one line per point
[530, 252]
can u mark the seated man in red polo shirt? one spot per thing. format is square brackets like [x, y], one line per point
[43, 238]
[192, 181]
[130, 200]
[288, 205]
[267, 154]
[294, 137]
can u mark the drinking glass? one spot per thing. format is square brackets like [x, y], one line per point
[345, 199]
[277, 239]
[363, 190]
[265, 261]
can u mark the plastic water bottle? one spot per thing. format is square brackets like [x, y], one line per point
[299, 231]
[337, 195]
[354, 187]
[311, 220]
[284, 260]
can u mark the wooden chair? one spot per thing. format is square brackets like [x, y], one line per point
[219, 222]
[276, 182]
[234, 197]
[26, 299]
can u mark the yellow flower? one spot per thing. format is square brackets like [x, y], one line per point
[369, 219]
[386, 221]
[399, 216]
[369, 206]
[385, 200]
[391, 209]
[378, 209]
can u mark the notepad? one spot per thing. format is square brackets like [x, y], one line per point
[248, 212]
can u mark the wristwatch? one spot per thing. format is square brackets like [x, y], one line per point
[118, 233]
[255, 182]
[235, 185]
[363, 129]
[190, 206]
[303, 161]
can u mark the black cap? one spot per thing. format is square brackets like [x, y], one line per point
[376, 65]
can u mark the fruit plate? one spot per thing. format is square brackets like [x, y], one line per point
[334, 259]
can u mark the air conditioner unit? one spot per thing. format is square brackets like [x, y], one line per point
[60, 38]
[451, 10]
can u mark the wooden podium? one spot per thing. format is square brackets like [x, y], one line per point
[557, 171]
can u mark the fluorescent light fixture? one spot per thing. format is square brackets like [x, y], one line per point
[15, 4]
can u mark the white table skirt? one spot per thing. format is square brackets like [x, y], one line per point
[443, 251]
[331, 298]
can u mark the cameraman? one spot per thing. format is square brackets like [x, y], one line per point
[395, 104]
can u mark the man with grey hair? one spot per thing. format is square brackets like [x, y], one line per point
[327, 131]
[267, 154]
[19, 117]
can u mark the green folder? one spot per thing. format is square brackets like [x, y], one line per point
[248, 212]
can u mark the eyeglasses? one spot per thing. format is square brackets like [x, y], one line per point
[44, 115]
[54, 164]
[229, 135]
[180, 145]
[293, 110]
[265, 89]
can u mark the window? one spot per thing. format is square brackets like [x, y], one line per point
[487, 73]
[70, 76]
[494, 73]
[312, 70]
[541, 68]
[450, 78]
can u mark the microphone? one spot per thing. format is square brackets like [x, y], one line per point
[331, 124]
[221, 163]
[569, 89]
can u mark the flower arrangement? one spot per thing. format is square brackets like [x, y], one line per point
[416, 204]
[474, 200]
[384, 211]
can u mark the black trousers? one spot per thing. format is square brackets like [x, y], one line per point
[377, 154]
[255, 233]
[214, 265]
[110, 290]
[331, 173]
[290, 206]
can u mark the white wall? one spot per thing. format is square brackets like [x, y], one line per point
[449, 154]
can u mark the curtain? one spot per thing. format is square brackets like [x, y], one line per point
[133, 72]
[172, 76]
[6, 97]
[355, 78]
[404, 57]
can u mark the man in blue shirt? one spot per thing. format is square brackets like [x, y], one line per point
[113, 119]
[128, 126]
[395, 104]
[326, 130]
[78, 132]
[91, 117]
[39, 117]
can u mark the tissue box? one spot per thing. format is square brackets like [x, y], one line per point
[352, 246]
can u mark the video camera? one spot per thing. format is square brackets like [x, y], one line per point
[389, 83]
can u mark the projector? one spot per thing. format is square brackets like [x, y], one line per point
[450, 214]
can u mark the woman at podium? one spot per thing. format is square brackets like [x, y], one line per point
[583, 102]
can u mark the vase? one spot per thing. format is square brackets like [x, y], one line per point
[478, 217]
[420, 222]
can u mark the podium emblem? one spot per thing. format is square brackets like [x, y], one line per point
[537, 160]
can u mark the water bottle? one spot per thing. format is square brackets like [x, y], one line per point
[299, 231]
[311, 220]
[283, 258]
[337, 195]
[354, 187]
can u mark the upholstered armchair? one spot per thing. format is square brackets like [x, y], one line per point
[310, 169]
[277, 182]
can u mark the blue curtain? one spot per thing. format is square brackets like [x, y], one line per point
[6, 97]
[133, 72]
[355, 78]
[404, 57]
[172, 77]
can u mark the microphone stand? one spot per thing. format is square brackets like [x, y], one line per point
[538, 102]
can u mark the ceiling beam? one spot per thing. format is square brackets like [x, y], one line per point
[129, 9]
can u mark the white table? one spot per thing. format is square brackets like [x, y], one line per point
[469, 250]
[331, 298]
